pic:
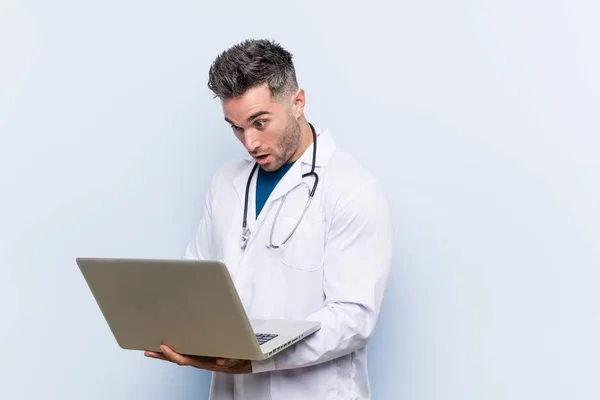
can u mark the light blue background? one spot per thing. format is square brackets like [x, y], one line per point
[482, 118]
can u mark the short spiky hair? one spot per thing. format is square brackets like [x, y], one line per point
[252, 63]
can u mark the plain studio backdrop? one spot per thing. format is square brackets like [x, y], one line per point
[482, 119]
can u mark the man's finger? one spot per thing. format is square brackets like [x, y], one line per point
[153, 354]
[173, 357]
[220, 361]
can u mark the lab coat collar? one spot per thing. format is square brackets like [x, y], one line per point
[325, 149]
[240, 182]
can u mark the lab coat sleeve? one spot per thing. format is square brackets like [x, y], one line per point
[358, 253]
[201, 246]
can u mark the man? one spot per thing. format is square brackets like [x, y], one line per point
[334, 267]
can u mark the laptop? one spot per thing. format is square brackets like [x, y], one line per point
[190, 305]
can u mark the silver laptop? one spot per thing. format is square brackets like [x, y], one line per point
[190, 305]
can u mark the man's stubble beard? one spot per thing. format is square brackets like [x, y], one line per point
[289, 143]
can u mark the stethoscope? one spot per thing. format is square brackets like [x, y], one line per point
[246, 231]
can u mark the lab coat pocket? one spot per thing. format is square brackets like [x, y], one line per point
[306, 247]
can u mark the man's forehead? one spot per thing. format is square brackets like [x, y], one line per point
[253, 101]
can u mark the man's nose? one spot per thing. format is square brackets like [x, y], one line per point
[251, 141]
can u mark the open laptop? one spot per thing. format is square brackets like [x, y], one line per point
[190, 305]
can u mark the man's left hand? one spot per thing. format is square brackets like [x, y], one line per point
[227, 366]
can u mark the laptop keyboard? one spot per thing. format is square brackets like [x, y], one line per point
[264, 337]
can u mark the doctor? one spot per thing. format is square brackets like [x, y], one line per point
[304, 228]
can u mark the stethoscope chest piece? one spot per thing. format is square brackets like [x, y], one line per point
[245, 236]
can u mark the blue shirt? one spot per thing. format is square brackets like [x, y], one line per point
[266, 182]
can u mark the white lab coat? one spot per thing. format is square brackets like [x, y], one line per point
[333, 270]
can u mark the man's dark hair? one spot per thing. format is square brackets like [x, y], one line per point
[252, 63]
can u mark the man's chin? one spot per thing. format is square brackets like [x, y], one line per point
[270, 167]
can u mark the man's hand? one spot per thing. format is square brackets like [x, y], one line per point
[209, 363]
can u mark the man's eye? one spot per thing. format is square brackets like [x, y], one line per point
[236, 128]
[260, 124]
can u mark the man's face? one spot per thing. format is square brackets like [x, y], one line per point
[267, 127]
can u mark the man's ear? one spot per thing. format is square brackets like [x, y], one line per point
[298, 103]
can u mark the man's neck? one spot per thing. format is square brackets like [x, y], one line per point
[306, 139]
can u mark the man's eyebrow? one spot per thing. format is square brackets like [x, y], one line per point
[256, 115]
[252, 117]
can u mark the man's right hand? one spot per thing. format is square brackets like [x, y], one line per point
[227, 366]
